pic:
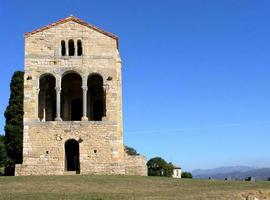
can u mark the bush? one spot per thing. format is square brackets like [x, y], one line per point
[159, 167]
[131, 151]
[186, 175]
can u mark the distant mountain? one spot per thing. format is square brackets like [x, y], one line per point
[234, 172]
[220, 170]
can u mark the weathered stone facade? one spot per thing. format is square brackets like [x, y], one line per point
[73, 69]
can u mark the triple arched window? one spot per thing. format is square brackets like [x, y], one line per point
[71, 49]
[74, 103]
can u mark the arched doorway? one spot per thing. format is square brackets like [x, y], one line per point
[72, 156]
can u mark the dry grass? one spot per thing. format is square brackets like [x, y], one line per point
[127, 187]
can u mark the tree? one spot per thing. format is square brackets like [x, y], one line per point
[3, 155]
[14, 119]
[131, 151]
[6, 164]
[3, 152]
[157, 166]
[186, 175]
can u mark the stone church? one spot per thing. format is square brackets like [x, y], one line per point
[73, 103]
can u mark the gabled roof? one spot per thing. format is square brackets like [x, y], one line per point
[176, 167]
[74, 19]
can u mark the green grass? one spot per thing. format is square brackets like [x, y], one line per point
[126, 187]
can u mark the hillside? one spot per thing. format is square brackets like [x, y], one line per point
[238, 172]
[127, 187]
[222, 170]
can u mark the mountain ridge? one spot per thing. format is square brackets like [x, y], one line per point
[233, 172]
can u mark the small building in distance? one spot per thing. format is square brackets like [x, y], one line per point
[177, 171]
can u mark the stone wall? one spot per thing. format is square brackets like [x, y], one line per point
[135, 165]
[44, 151]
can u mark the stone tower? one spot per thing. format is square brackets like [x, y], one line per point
[73, 103]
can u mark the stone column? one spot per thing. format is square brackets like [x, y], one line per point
[58, 104]
[105, 104]
[75, 48]
[37, 104]
[84, 117]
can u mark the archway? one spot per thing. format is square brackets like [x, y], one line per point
[72, 156]
[96, 99]
[47, 98]
[71, 97]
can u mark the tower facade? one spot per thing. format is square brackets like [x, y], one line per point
[73, 103]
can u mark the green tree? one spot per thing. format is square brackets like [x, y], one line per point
[14, 119]
[3, 152]
[157, 166]
[186, 175]
[131, 151]
[169, 169]
[6, 164]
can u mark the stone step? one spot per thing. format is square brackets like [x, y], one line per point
[70, 173]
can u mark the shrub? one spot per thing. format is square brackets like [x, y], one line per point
[131, 151]
[157, 166]
[186, 175]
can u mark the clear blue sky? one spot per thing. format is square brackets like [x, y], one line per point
[196, 73]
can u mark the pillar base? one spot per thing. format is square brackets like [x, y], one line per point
[58, 119]
[84, 119]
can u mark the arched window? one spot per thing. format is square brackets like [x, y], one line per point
[96, 98]
[71, 97]
[79, 48]
[71, 49]
[47, 98]
[63, 48]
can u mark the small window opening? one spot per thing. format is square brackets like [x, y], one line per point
[109, 78]
[95, 151]
[47, 152]
[63, 48]
[29, 77]
[79, 46]
[71, 49]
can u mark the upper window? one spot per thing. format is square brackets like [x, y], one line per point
[71, 49]
[79, 47]
[63, 48]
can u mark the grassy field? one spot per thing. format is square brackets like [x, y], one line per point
[127, 187]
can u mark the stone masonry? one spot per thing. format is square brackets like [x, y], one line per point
[73, 103]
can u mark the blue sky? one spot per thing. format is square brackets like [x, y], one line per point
[196, 73]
